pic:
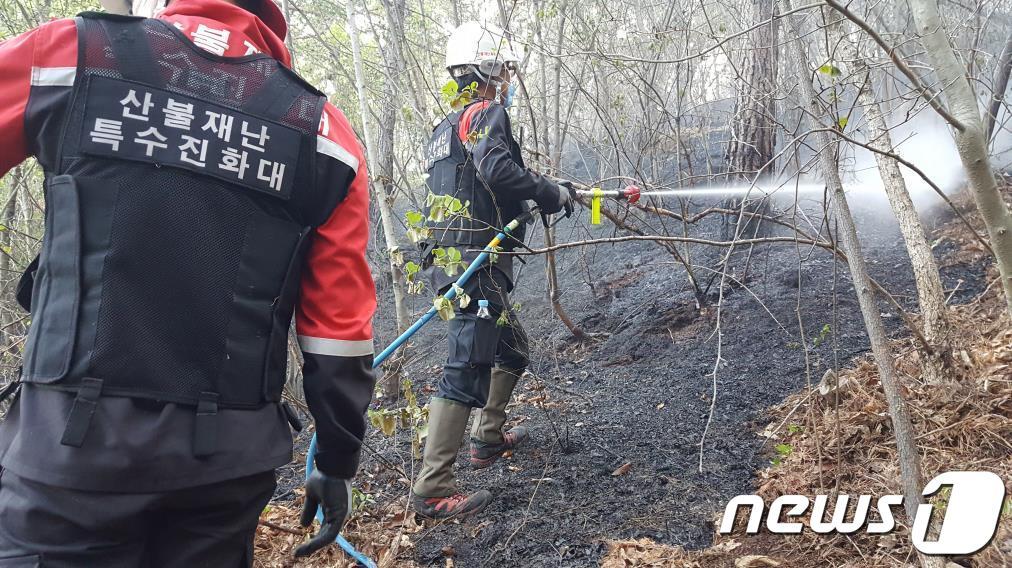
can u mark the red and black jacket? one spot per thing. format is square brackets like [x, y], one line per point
[198, 311]
[473, 156]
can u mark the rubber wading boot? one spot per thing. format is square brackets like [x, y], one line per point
[435, 493]
[488, 441]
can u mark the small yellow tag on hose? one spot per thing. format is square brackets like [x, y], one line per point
[595, 206]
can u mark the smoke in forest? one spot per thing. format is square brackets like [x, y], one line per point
[923, 140]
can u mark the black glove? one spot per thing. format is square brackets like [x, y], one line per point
[563, 199]
[568, 202]
[334, 495]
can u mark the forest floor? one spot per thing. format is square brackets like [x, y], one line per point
[615, 459]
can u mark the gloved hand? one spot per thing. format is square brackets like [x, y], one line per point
[334, 495]
[568, 201]
[563, 199]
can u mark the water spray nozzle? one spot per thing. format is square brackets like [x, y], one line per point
[632, 193]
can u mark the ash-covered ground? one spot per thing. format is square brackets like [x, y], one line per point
[640, 392]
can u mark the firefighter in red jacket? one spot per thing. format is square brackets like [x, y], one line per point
[474, 157]
[199, 195]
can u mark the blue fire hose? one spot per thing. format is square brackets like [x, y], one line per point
[362, 559]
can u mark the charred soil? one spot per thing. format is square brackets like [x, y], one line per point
[617, 420]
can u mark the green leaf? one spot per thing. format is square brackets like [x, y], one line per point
[842, 122]
[410, 399]
[437, 214]
[821, 338]
[414, 218]
[449, 90]
[444, 308]
[463, 300]
[784, 450]
[419, 234]
[449, 259]
[416, 442]
[831, 70]
[384, 420]
[388, 424]
[411, 271]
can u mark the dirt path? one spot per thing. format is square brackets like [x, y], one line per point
[641, 396]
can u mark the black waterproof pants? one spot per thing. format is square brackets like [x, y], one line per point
[476, 344]
[210, 525]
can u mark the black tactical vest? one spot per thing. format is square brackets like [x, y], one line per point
[451, 171]
[177, 221]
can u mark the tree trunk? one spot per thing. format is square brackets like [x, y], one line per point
[751, 148]
[909, 459]
[392, 90]
[969, 137]
[1000, 84]
[930, 294]
[753, 127]
[383, 165]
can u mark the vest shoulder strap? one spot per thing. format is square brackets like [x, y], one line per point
[129, 45]
[277, 95]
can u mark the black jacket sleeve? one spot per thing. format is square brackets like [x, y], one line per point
[338, 408]
[490, 139]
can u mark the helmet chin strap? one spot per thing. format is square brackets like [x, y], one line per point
[502, 95]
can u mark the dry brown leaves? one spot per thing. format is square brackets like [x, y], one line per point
[383, 535]
[645, 553]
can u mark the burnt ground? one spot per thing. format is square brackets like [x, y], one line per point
[640, 393]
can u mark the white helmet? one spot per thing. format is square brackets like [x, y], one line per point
[474, 47]
[146, 8]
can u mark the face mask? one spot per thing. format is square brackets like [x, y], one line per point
[510, 95]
